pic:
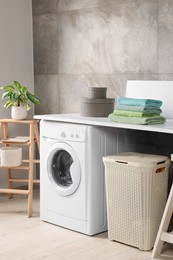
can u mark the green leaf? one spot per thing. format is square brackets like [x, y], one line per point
[33, 98]
[17, 85]
[13, 97]
[8, 88]
[28, 107]
[8, 104]
[5, 94]
[23, 89]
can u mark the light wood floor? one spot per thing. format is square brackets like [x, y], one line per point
[23, 238]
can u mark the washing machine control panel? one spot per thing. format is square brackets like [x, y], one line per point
[64, 131]
[73, 133]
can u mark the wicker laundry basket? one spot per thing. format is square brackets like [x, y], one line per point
[136, 192]
[11, 156]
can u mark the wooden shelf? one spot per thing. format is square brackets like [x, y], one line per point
[20, 167]
[16, 140]
[27, 164]
[23, 180]
[14, 191]
[30, 121]
[34, 161]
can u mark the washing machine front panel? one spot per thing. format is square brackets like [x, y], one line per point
[63, 169]
[83, 210]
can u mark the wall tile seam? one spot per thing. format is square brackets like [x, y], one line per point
[85, 8]
[53, 75]
[47, 14]
[90, 7]
[74, 10]
[98, 74]
[157, 75]
[61, 11]
[102, 74]
[157, 33]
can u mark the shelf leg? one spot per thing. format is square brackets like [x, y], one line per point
[5, 129]
[30, 183]
[37, 136]
[10, 195]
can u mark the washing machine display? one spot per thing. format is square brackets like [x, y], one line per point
[72, 188]
[63, 169]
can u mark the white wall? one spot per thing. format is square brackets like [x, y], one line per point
[16, 53]
[16, 45]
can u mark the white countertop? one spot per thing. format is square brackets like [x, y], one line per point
[167, 127]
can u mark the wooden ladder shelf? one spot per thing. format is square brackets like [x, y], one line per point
[28, 164]
[163, 234]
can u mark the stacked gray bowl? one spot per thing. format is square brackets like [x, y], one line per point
[96, 104]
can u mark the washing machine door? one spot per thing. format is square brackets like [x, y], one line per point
[63, 169]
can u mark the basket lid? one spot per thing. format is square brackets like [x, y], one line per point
[130, 157]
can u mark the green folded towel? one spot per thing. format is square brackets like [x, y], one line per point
[133, 113]
[145, 109]
[139, 102]
[137, 120]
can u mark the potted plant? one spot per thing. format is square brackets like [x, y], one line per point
[18, 97]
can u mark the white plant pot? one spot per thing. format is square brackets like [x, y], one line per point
[18, 113]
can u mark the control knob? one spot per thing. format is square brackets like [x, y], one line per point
[63, 134]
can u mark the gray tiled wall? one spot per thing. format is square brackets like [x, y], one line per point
[79, 43]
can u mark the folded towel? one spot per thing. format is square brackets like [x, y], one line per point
[133, 113]
[139, 102]
[137, 120]
[145, 109]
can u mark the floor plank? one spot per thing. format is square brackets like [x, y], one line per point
[30, 238]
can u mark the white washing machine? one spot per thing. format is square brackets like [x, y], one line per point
[72, 186]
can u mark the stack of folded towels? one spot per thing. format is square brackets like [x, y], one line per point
[137, 111]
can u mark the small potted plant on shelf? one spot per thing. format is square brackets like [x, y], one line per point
[18, 97]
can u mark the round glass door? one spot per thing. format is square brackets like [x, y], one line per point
[63, 169]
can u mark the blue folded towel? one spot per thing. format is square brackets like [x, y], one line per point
[144, 109]
[139, 102]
